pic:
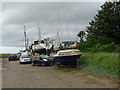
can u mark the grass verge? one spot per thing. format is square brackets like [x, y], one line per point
[103, 63]
[5, 55]
[100, 64]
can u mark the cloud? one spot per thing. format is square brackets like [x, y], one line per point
[67, 18]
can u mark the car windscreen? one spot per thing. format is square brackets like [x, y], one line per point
[24, 57]
[18, 54]
[44, 56]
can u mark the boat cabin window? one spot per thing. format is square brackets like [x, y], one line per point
[61, 53]
[42, 41]
[35, 42]
[76, 52]
[66, 53]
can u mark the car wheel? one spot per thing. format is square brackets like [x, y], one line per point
[33, 64]
[51, 64]
[43, 64]
[20, 62]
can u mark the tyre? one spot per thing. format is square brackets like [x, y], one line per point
[20, 62]
[33, 64]
[51, 64]
[43, 64]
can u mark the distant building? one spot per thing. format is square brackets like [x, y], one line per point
[69, 44]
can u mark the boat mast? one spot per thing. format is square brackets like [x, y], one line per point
[76, 26]
[58, 39]
[25, 38]
[39, 32]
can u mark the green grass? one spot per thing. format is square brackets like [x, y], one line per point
[5, 55]
[103, 63]
[100, 64]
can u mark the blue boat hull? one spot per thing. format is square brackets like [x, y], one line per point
[67, 60]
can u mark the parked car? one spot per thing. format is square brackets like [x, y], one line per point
[42, 60]
[24, 59]
[67, 57]
[18, 56]
[12, 58]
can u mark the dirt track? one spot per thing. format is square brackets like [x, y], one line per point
[28, 76]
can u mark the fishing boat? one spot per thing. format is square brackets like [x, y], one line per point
[67, 57]
[42, 47]
[39, 46]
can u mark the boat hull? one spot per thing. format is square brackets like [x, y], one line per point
[67, 60]
[40, 51]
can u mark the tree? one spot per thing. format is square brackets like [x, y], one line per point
[81, 34]
[106, 22]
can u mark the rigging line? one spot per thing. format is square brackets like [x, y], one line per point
[70, 35]
[22, 43]
[58, 29]
[76, 25]
[61, 34]
[77, 21]
[39, 31]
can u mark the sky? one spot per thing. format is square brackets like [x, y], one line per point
[64, 18]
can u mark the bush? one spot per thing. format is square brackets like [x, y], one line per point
[106, 48]
[98, 45]
[104, 40]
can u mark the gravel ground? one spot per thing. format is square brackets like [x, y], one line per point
[15, 75]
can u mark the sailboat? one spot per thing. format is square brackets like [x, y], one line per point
[42, 46]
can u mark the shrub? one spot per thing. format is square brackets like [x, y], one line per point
[104, 40]
[94, 45]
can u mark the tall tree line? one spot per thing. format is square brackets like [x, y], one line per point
[106, 23]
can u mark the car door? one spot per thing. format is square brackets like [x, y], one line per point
[34, 59]
[37, 59]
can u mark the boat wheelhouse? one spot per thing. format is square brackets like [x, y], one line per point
[67, 57]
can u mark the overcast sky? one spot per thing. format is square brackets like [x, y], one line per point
[67, 18]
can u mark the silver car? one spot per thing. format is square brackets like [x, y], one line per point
[24, 59]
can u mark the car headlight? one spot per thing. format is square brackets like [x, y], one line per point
[45, 60]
